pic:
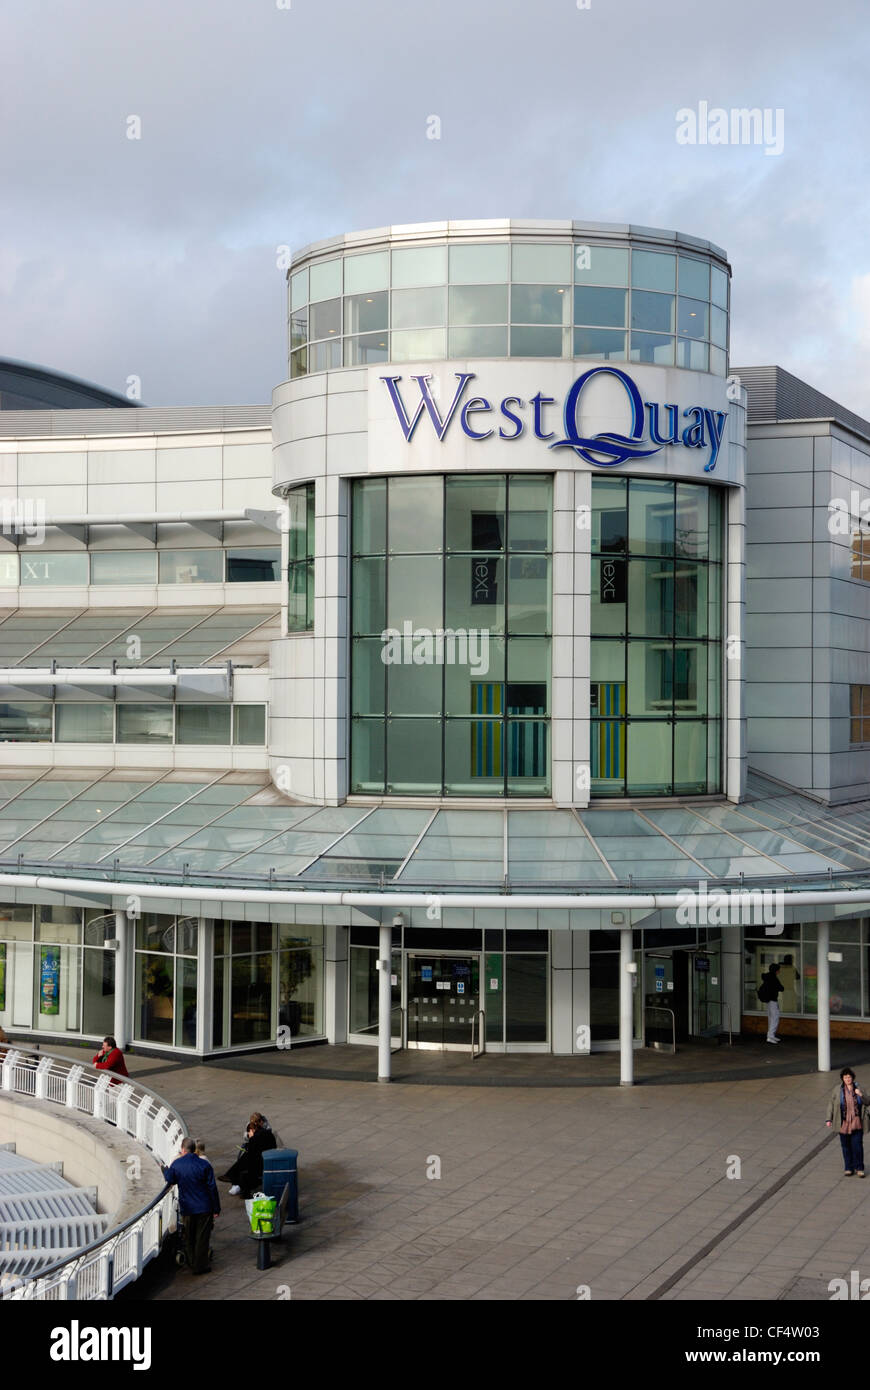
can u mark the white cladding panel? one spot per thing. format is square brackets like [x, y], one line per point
[372, 439]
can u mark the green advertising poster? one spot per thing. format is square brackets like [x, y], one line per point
[49, 980]
[2, 976]
[492, 972]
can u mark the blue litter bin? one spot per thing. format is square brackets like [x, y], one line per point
[280, 1167]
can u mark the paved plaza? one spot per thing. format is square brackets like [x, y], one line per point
[544, 1190]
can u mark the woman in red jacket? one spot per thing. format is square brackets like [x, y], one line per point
[111, 1058]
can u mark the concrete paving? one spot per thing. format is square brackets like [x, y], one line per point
[544, 1192]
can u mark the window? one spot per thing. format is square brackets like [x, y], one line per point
[861, 554]
[600, 265]
[478, 265]
[324, 280]
[256, 564]
[423, 265]
[190, 566]
[300, 567]
[52, 977]
[363, 274]
[25, 721]
[145, 723]
[165, 980]
[124, 567]
[451, 621]
[53, 569]
[259, 989]
[202, 724]
[599, 303]
[249, 724]
[656, 638]
[366, 313]
[30, 721]
[859, 712]
[84, 723]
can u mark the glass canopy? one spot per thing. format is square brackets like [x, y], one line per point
[234, 829]
[99, 636]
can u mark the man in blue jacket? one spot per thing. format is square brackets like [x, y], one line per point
[198, 1203]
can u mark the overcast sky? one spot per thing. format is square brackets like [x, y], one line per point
[263, 126]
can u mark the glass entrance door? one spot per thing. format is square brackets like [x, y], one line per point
[443, 1001]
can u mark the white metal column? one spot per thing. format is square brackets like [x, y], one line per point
[122, 1013]
[204, 985]
[823, 1026]
[626, 1008]
[385, 947]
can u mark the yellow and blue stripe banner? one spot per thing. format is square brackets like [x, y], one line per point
[608, 734]
[486, 734]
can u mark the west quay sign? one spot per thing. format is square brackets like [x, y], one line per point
[653, 425]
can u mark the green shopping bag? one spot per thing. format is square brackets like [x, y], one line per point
[263, 1214]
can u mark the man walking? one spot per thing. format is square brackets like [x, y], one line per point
[769, 990]
[198, 1203]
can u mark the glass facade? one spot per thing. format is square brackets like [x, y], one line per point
[600, 303]
[268, 983]
[56, 974]
[451, 634]
[31, 722]
[796, 954]
[655, 695]
[511, 970]
[300, 566]
[165, 974]
[859, 712]
[46, 721]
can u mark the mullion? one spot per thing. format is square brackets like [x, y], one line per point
[507, 643]
[386, 620]
[443, 620]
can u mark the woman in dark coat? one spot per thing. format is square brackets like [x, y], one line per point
[246, 1174]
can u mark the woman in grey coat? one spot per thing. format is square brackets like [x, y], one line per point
[850, 1118]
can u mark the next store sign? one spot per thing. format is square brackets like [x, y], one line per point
[653, 425]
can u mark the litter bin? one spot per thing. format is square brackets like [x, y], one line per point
[280, 1167]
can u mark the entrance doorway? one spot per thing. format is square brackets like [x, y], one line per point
[682, 993]
[444, 1001]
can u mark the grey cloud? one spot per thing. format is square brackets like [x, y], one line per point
[263, 127]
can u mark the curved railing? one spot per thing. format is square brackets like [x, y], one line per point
[102, 1269]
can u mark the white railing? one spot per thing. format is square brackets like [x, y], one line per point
[100, 1270]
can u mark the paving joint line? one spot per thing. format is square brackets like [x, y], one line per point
[737, 1222]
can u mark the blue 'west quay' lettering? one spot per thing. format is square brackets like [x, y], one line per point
[696, 427]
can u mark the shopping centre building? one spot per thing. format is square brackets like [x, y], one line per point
[518, 627]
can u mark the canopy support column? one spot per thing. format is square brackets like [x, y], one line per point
[626, 1008]
[385, 946]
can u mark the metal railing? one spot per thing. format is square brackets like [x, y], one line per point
[478, 1017]
[661, 1009]
[100, 1270]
